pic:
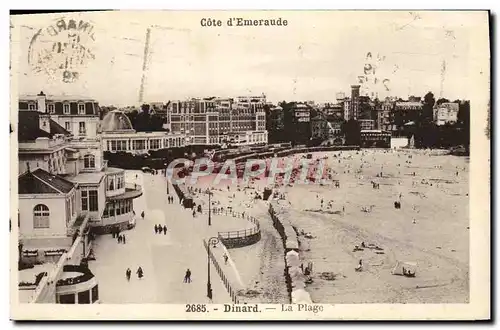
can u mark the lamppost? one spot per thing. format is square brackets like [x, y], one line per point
[211, 241]
[209, 207]
[166, 178]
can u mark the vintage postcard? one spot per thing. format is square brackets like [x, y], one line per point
[250, 165]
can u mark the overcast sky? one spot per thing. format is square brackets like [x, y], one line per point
[317, 55]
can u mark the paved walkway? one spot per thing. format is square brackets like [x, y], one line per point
[164, 258]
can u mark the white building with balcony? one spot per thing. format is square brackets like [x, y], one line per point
[65, 189]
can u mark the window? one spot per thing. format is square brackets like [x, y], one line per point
[81, 109]
[85, 200]
[68, 210]
[95, 294]
[82, 129]
[154, 144]
[41, 216]
[51, 108]
[121, 145]
[73, 204]
[67, 126]
[67, 299]
[120, 182]
[111, 183]
[66, 108]
[105, 214]
[84, 297]
[89, 161]
[93, 202]
[89, 200]
[139, 145]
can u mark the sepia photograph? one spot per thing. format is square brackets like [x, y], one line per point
[250, 165]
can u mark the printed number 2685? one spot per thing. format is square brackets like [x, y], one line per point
[196, 308]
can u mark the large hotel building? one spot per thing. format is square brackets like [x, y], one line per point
[224, 121]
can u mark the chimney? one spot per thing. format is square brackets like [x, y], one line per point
[40, 99]
[44, 120]
[354, 102]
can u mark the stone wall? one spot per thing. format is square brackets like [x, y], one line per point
[294, 278]
[237, 242]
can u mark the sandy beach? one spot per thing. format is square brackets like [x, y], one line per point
[430, 229]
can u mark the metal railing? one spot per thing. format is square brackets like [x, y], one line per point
[227, 284]
[237, 233]
[133, 186]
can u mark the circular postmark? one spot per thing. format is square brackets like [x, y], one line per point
[62, 49]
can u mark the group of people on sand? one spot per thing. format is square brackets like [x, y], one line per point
[170, 199]
[159, 229]
[139, 272]
[116, 234]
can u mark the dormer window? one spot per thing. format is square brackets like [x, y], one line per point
[81, 109]
[66, 108]
[51, 108]
[32, 106]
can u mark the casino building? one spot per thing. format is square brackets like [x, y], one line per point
[117, 134]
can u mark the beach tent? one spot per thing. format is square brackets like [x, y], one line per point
[296, 274]
[301, 296]
[292, 259]
[402, 266]
[298, 284]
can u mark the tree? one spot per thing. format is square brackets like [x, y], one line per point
[442, 100]
[428, 107]
[463, 122]
[352, 132]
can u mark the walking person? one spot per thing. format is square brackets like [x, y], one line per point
[156, 229]
[140, 272]
[225, 258]
[119, 239]
[123, 239]
[164, 229]
[160, 228]
[142, 214]
[128, 273]
[187, 277]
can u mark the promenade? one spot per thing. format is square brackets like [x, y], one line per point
[164, 258]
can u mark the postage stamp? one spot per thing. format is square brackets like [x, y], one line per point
[257, 165]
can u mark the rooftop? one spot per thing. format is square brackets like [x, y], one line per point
[42, 182]
[116, 120]
[29, 127]
[113, 170]
[89, 178]
[49, 97]
[408, 104]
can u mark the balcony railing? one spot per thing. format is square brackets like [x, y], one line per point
[132, 186]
